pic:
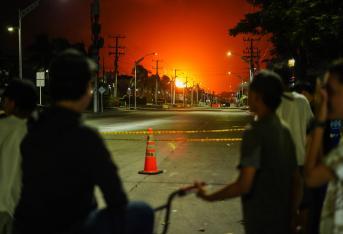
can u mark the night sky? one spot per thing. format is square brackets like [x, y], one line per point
[190, 35]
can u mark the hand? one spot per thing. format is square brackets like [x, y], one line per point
[201, 192]
[295, 225]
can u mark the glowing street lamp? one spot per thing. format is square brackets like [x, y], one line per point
[136, 64]
[291, 65]
[10, 29]
[291, 62]
[251, 65]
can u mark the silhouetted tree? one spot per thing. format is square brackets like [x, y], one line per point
[310, 31]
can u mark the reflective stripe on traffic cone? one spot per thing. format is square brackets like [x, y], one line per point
[150, 165]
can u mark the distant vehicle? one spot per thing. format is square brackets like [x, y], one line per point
[226, 104]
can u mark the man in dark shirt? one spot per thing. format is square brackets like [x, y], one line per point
[269, 180]
[63, 161]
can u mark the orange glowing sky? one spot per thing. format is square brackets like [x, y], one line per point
[190, 35]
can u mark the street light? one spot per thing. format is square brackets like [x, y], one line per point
[230, 53]
[291, 62]
[136, 64]
[21, 15]
[10, 29]
[291, 65]
[240, 77]
[251, 68]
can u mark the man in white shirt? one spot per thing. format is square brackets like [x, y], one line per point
[295, 111]
[19, 100]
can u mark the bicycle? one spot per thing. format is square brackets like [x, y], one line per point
[178, 193]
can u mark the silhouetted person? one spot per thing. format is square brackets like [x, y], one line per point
[327, 169]
[63, 161]
[331, 138]
[19, 100]
[307, 89]
[268, 180]
[295, 111]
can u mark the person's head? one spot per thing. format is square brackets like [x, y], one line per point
[265, 92]
[305, 88]
[71, 75]
[19, 98]
[334, 86]
[284, 73]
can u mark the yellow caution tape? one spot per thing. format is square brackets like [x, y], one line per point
[184, 140]
[159, 132]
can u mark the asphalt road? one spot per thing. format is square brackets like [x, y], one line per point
[207, 159]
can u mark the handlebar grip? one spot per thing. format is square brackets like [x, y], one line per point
[183, 191]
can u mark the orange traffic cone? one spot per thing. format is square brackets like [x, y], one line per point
[150, 167]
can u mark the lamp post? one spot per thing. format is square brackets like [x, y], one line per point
[240, 77]
[21, 15]
[251, 67]
[291, 65]
[136, 64]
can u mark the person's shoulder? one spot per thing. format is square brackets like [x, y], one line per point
[300, 98]
[88, 131]
[12, 126]
[284, 125]
[12, 122]
[90, 134]
[2, 115]
[252, 129]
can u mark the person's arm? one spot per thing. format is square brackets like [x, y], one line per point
[105, 174]
[296, 190]
[240, 187]
[296, 196]
[316, 173]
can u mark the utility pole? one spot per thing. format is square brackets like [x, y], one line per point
[184, 92]
[174, 87]
[197, 94]
[252, 54]
[171, 90]
[192, 98]
[157, 78]
[103, 68]
[97, 44]
[118, 51]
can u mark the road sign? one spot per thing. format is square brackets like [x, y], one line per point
[101, 90]
[40, 83]
[40, 79]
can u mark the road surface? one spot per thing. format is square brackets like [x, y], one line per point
[184, 157]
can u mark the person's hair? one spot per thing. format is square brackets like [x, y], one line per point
[284, 72]
[69, 74]
[301, 86]
[24, 95]
[336, 69]
[268, 84]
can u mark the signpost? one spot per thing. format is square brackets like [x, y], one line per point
[40, 82]
[102, 90]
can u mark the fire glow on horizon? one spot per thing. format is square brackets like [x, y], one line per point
[190, 35]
